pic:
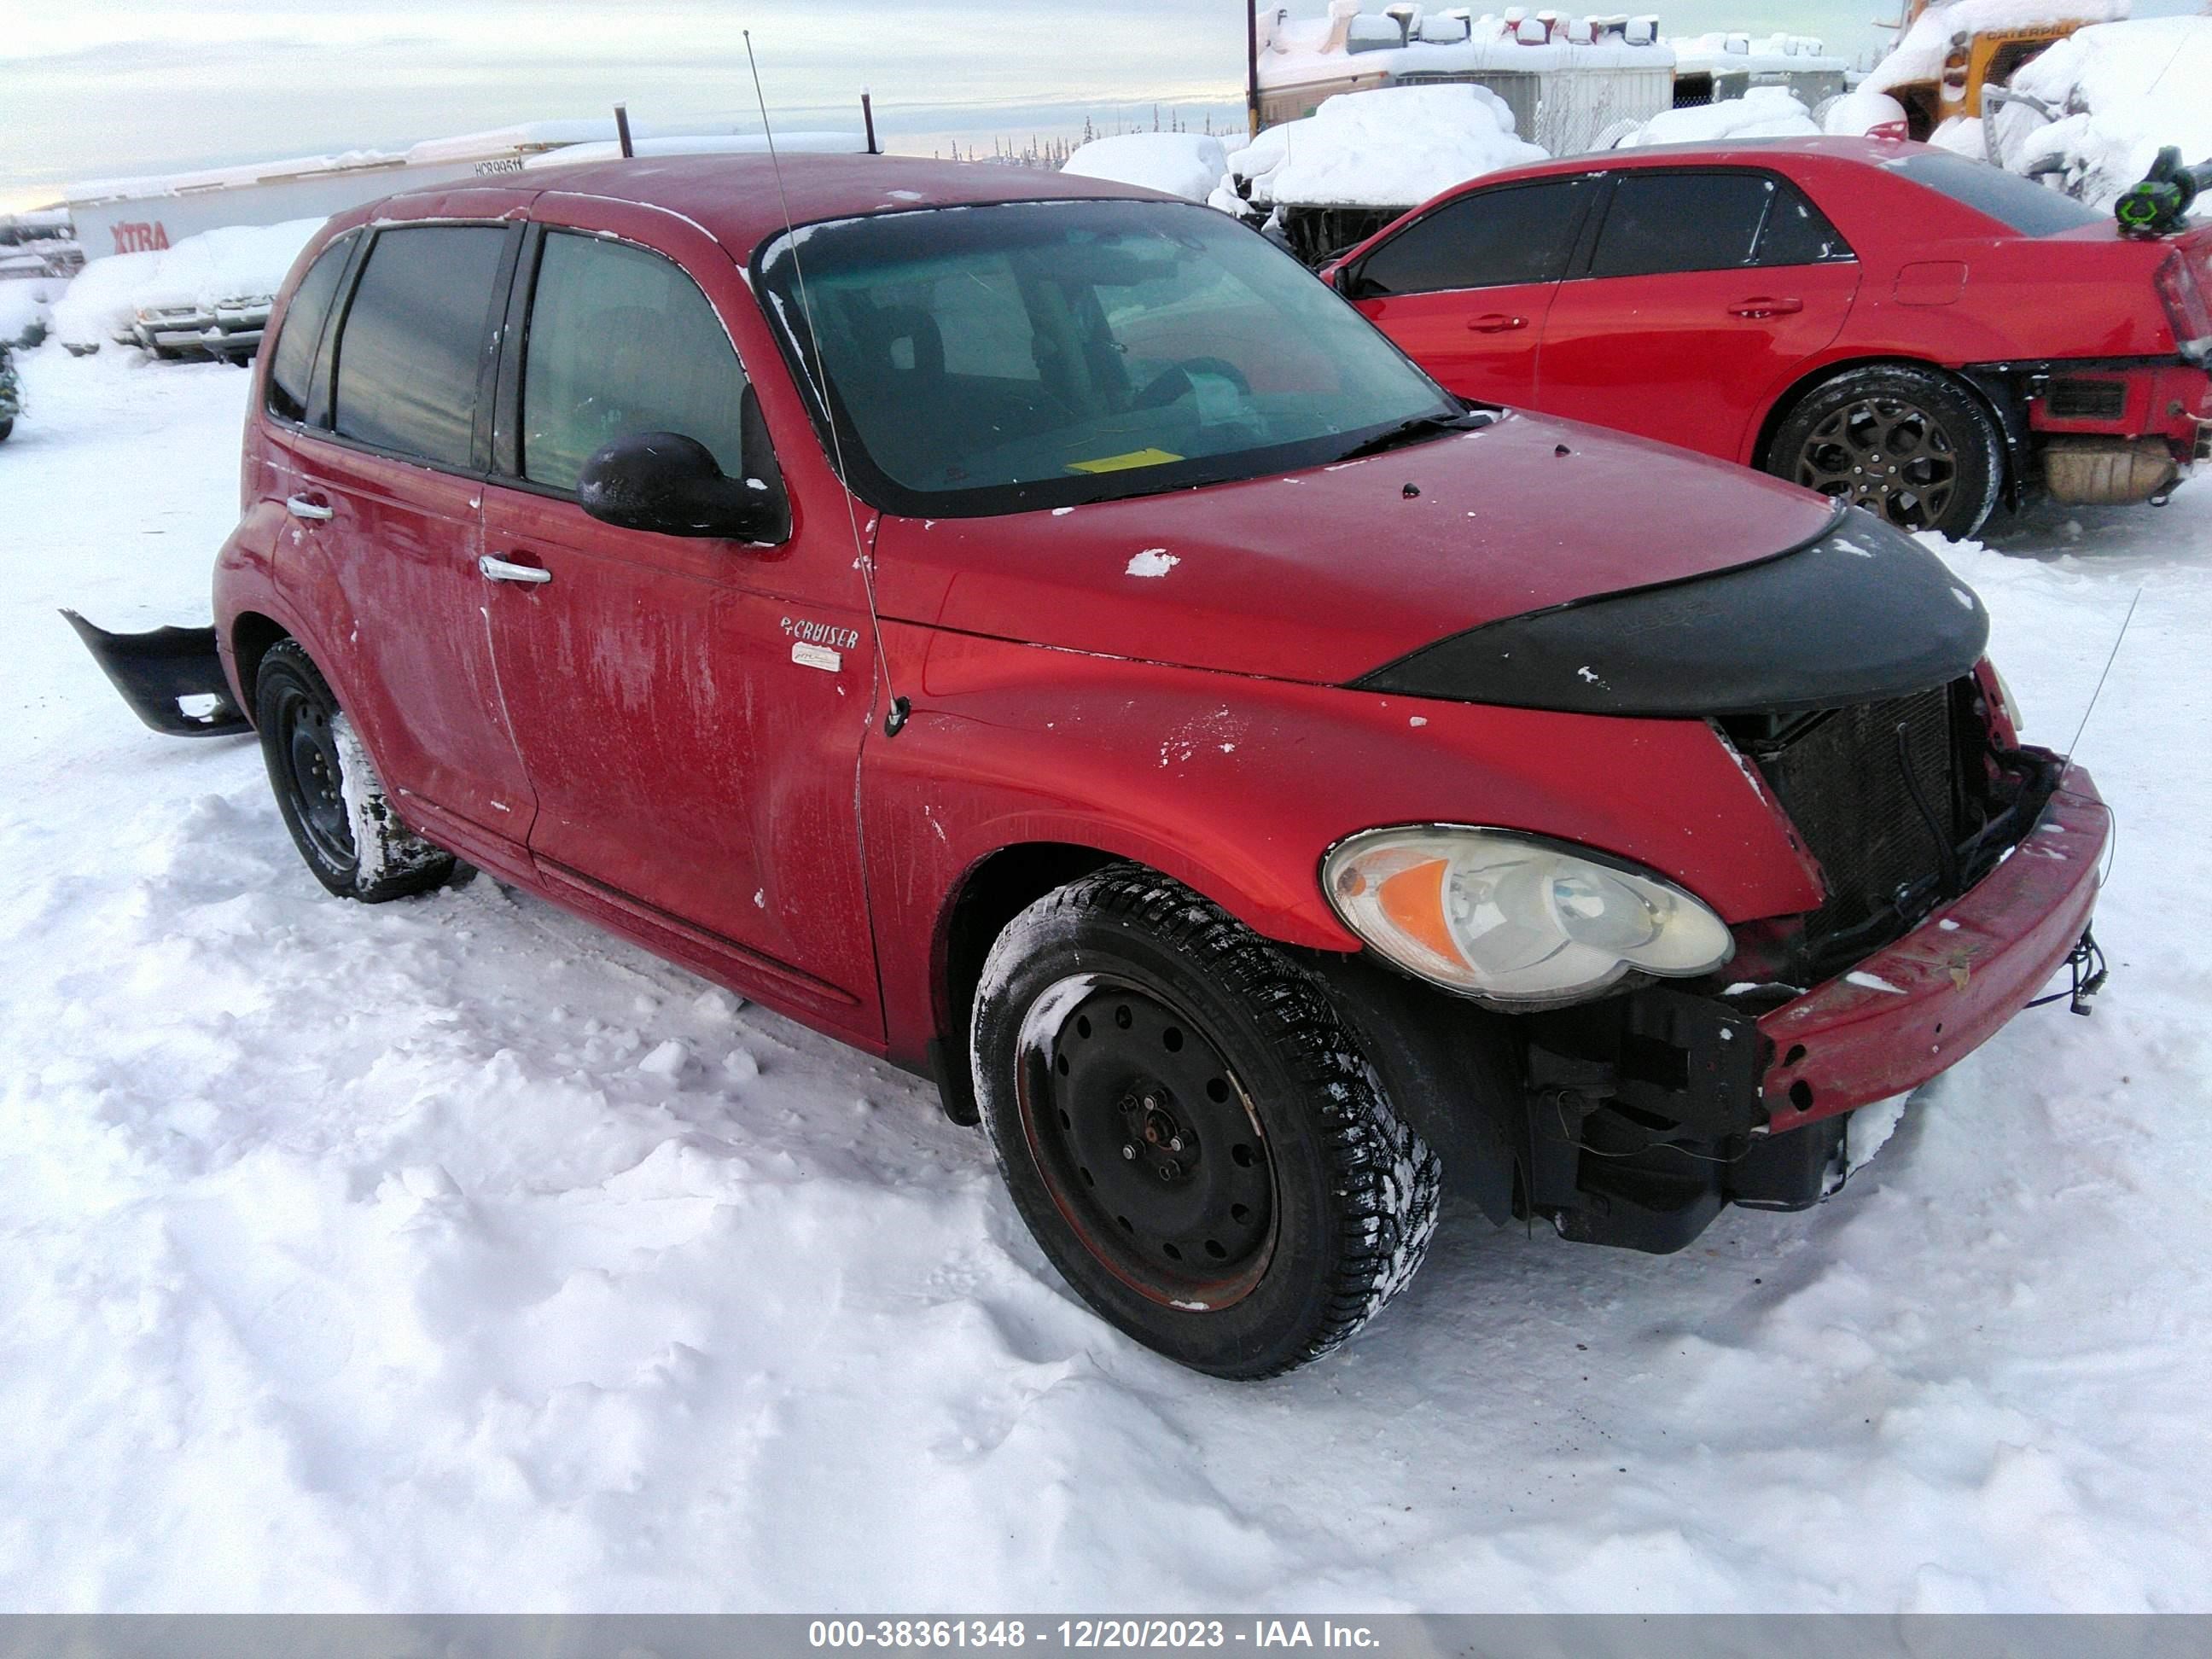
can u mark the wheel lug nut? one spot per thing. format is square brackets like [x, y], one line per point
[1129, 1152]
[1175, 1145]
[1169, 1171]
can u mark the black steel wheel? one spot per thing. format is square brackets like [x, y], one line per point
[1908, 444]
[1191, 1130]
[327, 790]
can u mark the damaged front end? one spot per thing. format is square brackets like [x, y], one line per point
[172, 677]
[1959, 871]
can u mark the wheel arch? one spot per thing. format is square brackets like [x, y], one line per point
[1992, 393]
[251, 634]
[988, 895]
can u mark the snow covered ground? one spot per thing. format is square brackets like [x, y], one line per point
[450, 1255]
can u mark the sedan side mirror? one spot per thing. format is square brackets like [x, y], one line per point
[668, 483]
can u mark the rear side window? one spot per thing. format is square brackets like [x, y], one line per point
[414, 339]
[1520, 234]
[1670, 221]
[293, 362]
[2029, 208]
[621, 341]
[1798, 234]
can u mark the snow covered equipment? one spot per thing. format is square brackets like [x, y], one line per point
[157, 672]
[2160, 204]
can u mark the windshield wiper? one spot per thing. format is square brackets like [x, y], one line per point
[1419, 426]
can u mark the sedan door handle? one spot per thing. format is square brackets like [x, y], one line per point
[502, 570]
[300, 508]
[1496, 322]
[1760, 306]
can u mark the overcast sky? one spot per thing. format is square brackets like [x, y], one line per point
[101, 87]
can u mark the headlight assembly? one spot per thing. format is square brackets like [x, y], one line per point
[1509, 919]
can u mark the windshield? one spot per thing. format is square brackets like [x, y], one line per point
[1039, 353]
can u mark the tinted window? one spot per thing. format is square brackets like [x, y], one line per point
[413, 338]
[1523, 233]
[1664, 221]
[1798, 234]
[2029, 208]
[621, 341]
[293, 360]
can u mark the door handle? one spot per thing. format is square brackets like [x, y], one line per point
[1496, 322]
[1760, 306]
[300, 508]
[502, 570]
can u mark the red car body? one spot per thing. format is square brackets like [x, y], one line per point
[686, 739]
[2079, 336]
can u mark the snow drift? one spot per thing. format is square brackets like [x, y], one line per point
[1186, 164]
[1389, 148]
[2121, 91]
[1761, 113]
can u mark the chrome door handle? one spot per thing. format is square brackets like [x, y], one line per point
[300, 508]
[501, 570]
[1496, 322]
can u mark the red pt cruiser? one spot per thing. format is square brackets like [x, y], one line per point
[1033, 632]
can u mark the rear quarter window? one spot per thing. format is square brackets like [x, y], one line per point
[413, 338]
[2029, 208]
[292, 365]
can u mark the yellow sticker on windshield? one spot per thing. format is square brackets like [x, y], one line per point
[1135, 457]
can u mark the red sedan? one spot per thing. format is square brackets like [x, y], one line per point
[1886, 323]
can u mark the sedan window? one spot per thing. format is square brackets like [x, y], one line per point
[1521, 233]
[1670, 222]
[623, 342]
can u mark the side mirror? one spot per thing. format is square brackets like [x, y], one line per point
[668, 483]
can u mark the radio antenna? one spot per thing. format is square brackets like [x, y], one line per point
[894, 715]
[2109, 660]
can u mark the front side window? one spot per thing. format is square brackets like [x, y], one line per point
[1659, 222]
[621, 341]
[995, 359]
[1520, 234]
[292, 364]
[414, 340]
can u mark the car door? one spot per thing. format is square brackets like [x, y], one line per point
[1464, 289]
[690, 711]
[387, 510]
[1706, 289]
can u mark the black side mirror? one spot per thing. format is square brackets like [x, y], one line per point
[668, 483]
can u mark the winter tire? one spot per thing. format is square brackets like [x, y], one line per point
[1190, 1130]
[327, 789]
[1912, 444]
[7, 429]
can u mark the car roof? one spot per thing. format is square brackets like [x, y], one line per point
[1775, 153]
[740, 199]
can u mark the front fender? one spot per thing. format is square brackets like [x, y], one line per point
[1238, 786]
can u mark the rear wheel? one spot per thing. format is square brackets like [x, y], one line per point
[1189, 1130]
[327, 789]
[1910, 445]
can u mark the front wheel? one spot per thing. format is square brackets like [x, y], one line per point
[1190, 1131]
[1910, 445]
[327, 789]
[7, 429]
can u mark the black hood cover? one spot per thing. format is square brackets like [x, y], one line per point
[1862, 612]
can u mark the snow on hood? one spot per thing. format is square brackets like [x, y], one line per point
[1919, 55]
[236, 262]
[102, 298]
[2126, 89]
[1761, 113]
[1390, 148]
[1186, 164]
